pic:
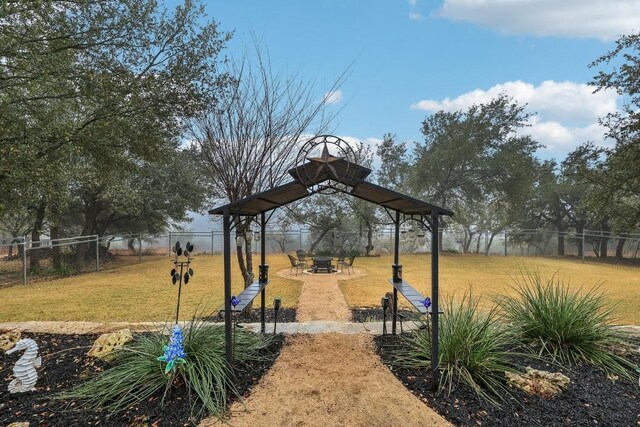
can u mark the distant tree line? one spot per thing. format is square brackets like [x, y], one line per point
[477, 163]
[122, 116]
[95, 96]
[481, 164]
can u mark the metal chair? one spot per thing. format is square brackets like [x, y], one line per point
[298, 265]
[347, 263]
[302, 257]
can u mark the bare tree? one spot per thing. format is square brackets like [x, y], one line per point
[249, 140]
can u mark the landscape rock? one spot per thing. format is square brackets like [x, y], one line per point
[19, 424]
[536, 382]
[9, 339]
[108, 343]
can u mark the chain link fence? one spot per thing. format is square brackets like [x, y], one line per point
[23, 261]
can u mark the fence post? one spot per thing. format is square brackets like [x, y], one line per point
[24, 260]
[97, 253]
[212, 237]
[140, 247]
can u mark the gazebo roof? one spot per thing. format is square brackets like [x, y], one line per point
[351, 179]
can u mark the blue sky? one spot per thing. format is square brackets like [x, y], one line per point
[408, 59]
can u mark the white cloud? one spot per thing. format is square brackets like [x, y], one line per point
[412, 2]
[567, 112]
[333, 97]
[603, 19]
[415, 16]
[563, 101]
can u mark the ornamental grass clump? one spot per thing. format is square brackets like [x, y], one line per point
[138, 373]
[473, 349]
[569, 326]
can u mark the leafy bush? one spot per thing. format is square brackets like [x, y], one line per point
[473, 348]
[66, 270]
[136, 374]
[570, 326]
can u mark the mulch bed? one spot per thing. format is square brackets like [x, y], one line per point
[371, 314]
[285, 315]
[65, 364]
[590, 400]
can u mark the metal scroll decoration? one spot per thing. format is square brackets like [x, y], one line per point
[24, 370]
[182, 259]
[327, 163]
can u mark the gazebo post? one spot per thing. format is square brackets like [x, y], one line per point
[228, 338]
[434, 299]
[262, 276]
[396, 259]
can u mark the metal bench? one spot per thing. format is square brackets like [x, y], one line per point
[414, 297]
[247, 295]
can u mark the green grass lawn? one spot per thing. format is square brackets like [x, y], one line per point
[143, 292]
[493, 275]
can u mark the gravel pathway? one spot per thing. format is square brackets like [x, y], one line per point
[329, 379]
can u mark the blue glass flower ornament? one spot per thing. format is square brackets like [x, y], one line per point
[427, 302]
[235, 301]
[174, 352]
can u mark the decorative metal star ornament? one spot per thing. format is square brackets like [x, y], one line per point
[325, 161]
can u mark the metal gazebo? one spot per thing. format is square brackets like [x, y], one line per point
[338, 174]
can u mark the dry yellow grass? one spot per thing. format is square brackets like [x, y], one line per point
[493, 275]
[141, 292]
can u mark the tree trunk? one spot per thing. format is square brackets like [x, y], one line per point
[11, 248]
[56, 257]
[468, 238]
[478, 243]
[580, 232]
[486, 250]
[604, 243]
[318, 240]
[620, 248]
[248, 271]
[560, 242]
[369, 247]
[34, 258]
[131, 245]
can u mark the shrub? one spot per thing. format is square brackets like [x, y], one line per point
[473, 349]
[569, 326]
[136, 374]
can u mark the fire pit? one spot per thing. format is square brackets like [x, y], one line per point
[323, 265]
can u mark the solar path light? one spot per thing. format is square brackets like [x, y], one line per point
[277, 303]
[385, 306]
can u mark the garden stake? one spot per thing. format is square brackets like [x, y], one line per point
[179, 293]
[234, 302]
[385, 307]
[178, 277]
